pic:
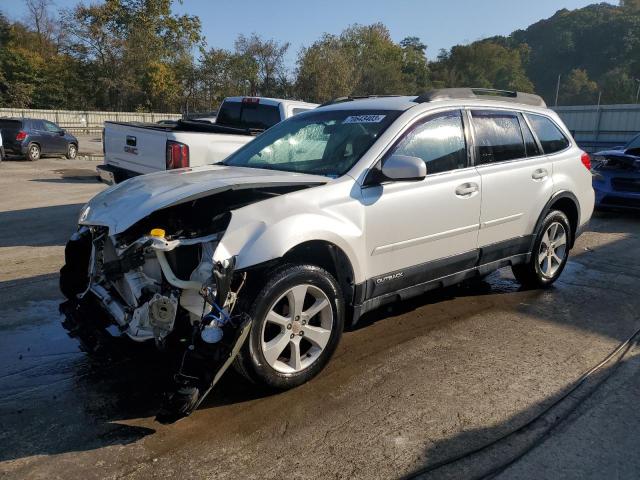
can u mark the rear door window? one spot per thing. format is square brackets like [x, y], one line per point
[439, 141]
[551, 137]
[498, 136]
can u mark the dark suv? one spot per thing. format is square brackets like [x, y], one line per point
[30, 138]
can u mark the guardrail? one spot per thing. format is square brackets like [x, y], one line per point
[78, 121]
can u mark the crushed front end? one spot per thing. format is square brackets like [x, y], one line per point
[162, 288]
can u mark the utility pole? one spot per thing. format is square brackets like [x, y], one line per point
[558, 89]
[638, 92]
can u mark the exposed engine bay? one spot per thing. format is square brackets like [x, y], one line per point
[157, 281]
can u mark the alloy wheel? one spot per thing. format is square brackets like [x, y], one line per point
[553, 249]
[34, 152]
[297, 329]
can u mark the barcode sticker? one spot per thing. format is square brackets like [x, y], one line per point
[364, 119]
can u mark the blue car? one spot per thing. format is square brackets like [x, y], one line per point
[31, 138]
[616, 176]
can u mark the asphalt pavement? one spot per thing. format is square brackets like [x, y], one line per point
[415, 384]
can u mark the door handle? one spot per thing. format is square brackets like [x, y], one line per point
[466, 190]
[540, 174]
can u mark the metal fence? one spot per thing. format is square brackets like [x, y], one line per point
[597, 127]
[77, 121]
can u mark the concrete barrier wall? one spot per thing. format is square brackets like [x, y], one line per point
[77, 121]
[595, 127]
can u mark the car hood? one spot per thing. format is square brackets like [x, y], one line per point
[122, 205]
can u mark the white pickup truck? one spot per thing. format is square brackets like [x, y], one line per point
[136, 148]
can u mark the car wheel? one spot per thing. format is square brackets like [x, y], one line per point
[298, 319]
[72, 151]
[33, 152]
[550, 252]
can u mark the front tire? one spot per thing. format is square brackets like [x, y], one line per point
[550, 252]
[298, 318]
[33, 152]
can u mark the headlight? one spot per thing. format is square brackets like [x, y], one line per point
[84, 213]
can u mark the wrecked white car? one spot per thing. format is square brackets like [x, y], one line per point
[260, 260]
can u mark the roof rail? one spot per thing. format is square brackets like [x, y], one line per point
[351, 98]
[481, 94]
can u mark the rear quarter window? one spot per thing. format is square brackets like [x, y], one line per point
[10, 124]
[551, 137]
[248, 115]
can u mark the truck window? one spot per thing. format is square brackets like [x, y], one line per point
[229, 114]
[248, 115]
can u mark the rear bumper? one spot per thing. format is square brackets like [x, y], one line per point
[111, 175]
[20, 149]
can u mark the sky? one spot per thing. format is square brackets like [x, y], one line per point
[439, 24]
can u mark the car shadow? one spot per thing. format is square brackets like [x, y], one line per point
[40, 226]
[71, 175]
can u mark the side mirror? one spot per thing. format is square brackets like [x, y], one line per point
[404, 167]
[61, 132]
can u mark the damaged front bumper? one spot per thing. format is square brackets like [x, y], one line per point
[166, 290]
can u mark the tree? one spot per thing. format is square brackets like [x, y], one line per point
[325, 70]
[415, 69]
[362, 60]
[121, 43]
[618, 87]
[578, 89]
[269, 58]
[483, 64]
[631, 4]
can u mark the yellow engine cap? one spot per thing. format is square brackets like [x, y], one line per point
[157, 232]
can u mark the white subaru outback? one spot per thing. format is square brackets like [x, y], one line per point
[262, 259]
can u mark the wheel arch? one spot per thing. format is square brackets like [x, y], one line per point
[567, 203]
[328, 256]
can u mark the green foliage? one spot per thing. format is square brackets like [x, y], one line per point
[139, 54]
[362, 60]
[578, 89]
[483, 64]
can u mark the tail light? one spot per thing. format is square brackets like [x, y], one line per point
[21, 135]
[586, 160]
[177, 155]
[251, 100]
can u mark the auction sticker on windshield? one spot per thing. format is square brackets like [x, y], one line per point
[364, 119]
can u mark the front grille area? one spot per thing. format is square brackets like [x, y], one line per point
[626, 184]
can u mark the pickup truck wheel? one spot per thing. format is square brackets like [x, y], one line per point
[33, 152]
[72, 151]
[298, 319]
[550, 252]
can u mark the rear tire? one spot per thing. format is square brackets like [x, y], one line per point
[33, 152]
[549, 254]
[298, 318]
[72, 151]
